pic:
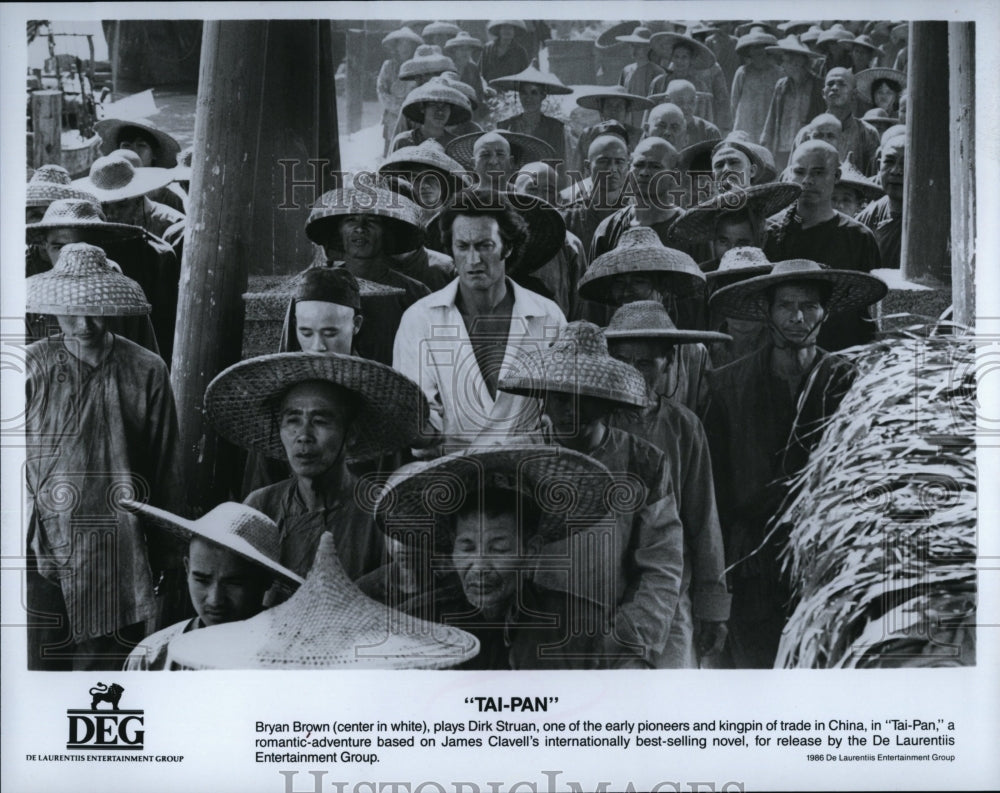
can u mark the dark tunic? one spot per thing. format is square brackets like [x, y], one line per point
[887, 228]
[431, 268]
[756, 442]
[493, 64]
[841, 243]
[550, 130]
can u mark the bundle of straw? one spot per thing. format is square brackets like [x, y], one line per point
[882, 538]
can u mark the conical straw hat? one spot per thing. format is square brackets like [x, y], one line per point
[50, 183]
[440, 29]
[110, 129]
[523, 148]
[403, 219]
[463, 39]
[850, 289]
[570, 489]
[648, 320]
[531, 76]
[116, 179]
[428, 59]
[242, 401]
[738, 264]
[640, 251]
[864, 80]
[85, 283]
[764, 200]
[591, 99]
[327, 624]
[241, 529]
[577, 363]
[437, 91]
[701, 56]
[84, 214]
[853, 178]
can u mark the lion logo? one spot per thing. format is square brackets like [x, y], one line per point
[112, 694]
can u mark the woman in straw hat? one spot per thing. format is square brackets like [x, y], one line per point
[101, 425]
[432, 107]
[502, 55]
[155, 147]
[532, 87]
[500, 506]
[642, 334]
[759, 434]
[230, 562]
[754, 82]
[400, 45]
[581, 385]
[317, 412]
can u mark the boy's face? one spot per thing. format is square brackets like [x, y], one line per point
[224, 587]
[571, 414]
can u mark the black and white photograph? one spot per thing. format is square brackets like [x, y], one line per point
[500, 405]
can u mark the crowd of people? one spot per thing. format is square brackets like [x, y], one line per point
[537, 398]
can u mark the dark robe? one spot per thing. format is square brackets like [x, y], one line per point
[887, 228]
[493, 64]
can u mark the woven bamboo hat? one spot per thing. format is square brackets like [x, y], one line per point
[879, 119]
[701, 29]
[531, 76]
[865, 41]
[110, 130]
[241, 529]
[738, 264]
[648, 320]
[795, 26]
[639, 35]
[763, 200]
[853, 178]
[640, 251]
[128, 154]
[80, 213]
[428, 59]
[242, 402]
[428, 156]
[327, 624]
[437, 91]
[493, 24]
[697, 156]
[812, 35]
[570, 489]
[592, 99]
[402, 34]
[701, 56]
[835, 34]
[116, 179]
[791, 44]
[400, 216]
[523, 148]
[85, 283]
[748, 300]
[287, 288]
[864, 80]
[746, 27]
[440, 29]
[757, 37]
[577, 363]
[452, 80]
[546, 227]
[50, 183]
[463, 39]
[609, 37]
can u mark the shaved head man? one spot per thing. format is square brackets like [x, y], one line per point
[492, 160]
[650, 165]
[606, 164]
[732, 167]
[538, 179]
[858, 140]
[667, 121]
[683, 94]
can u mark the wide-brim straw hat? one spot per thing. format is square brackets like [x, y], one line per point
[110, 128]
[437, 91]
[865, 41]
[452, 80]
[84, 214]
[116, 179]
[426, 156]
[42, 193]
[402, 219]
[531, 76]
[327, 624]
[439, 28]
[701, 56]
[795, 26]
[648, 320]
[791, 44]
[402, 34]
[851, 289]
[697, 156]
[738, 264]
[640, 251]
[578, 362]
[763, 200]
[746, 27]
[812, 35]
[609, 37]
[276, 298]
[853, 178]
[546, 227]
[901, 31]
[864, 80]
[495, 23]
[835, 34]
[757, 37]
[570, 489]
[639, 35]
[237, 527]
[879, 119]
[523, 148]
[85, 283]
[428, 59]
[592, 99]
[463, 39]
[758, 155]
[701, 28]
[242, 401]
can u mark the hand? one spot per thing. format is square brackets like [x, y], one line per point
[710, 637]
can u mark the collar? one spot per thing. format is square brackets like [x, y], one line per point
[526, 303]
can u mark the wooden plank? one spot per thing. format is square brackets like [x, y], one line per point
[46, 125]
[962, 76]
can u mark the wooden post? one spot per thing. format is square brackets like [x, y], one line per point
[962, 74]
[46, 125]
[355, 78]
[927, 194]
[221, 239]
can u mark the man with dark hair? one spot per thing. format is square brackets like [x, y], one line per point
[456, 341]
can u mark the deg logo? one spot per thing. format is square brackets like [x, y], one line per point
[102, 728]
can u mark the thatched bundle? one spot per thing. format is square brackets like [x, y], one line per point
[882, 543]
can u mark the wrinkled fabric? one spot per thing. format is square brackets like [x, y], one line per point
[887, 228]
[550, 130]
[751, 98]
[493, 64]
[561, 274]
[151, 653]
[793, 105]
